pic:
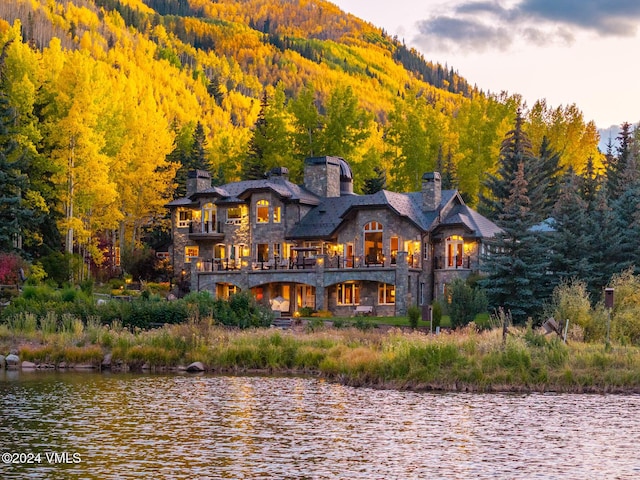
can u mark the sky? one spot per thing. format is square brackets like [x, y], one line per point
[585, 52]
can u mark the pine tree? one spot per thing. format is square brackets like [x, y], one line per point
[617, 169]
[14, 214]
[518, 263]
[377, 183]
[570, 242]
[255, 167]
[447, 170]
[602, 241]
[214, 90]
[190, 153]
[270, 144]
[198, 159]
[514, 150]
[543, 178]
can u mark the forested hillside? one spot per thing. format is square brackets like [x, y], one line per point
[105, 103]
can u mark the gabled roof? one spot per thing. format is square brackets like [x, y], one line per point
[237, 192]
[181, 202]
[477, 224]
[324, 220]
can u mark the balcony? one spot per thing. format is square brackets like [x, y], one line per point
[453, 263]
[205, 231]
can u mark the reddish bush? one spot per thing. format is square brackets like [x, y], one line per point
[10, 265]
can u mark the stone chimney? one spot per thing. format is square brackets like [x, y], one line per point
[197, 181]
[431, 191]
[322, 176]
[278, 174]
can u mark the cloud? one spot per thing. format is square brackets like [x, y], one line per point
[449, 31]
[605, 17]
[482, 25]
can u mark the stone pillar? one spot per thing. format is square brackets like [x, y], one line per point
[245, 267]
[193, 274]
[321, 291]
[402, 283]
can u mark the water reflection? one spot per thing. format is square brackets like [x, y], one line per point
[148, 426]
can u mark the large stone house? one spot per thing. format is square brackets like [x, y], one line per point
[321, 246]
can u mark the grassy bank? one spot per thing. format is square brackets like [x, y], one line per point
[465, 360]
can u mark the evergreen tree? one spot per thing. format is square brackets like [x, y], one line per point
[190, 153]
[255, 166]
[515, 149]
[518, 263]
[620, 169]
[447, 170]
[570, 242]
[14, 213]
[377, 183]
[602, 241]
[543, 178]
[270, 144]
[589, 184]
[626, 229]
[214, 90]
[198, 159]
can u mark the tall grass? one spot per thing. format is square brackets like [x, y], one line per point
[466, 359]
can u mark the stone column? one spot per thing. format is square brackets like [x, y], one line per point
[321, 291]
[245, 267]
[402, 283]
[193, 274]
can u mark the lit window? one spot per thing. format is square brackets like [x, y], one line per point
[386, 294]
[454, 249]
[262, 252]
[373, 242]
[184, 217]
[190, 253]
[277, 214]
[262, 211]
[209, 218]
[348, 294]
[394, 249]
[234, 215]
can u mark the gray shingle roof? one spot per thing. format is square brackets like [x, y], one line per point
[180, 202]
[324, 220]
[284, 188]
[479, 225]
[234, 192]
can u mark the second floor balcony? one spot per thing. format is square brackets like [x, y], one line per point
[205, 230]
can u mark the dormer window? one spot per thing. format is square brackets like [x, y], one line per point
[262, 211]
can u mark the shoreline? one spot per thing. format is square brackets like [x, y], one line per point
[392, 385]
[398, 359]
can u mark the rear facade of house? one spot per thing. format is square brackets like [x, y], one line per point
[319, 245]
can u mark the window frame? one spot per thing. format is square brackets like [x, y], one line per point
[262, 205]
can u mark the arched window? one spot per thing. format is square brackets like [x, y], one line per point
[373, 243]
[208, 218]
[262, 211]
[454, 249]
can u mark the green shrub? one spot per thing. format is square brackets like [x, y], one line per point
[305, 311]
[465, 302]
[570, 301]
[436, 314]
[414, 316]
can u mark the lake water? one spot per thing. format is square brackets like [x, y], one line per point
[99, 426]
